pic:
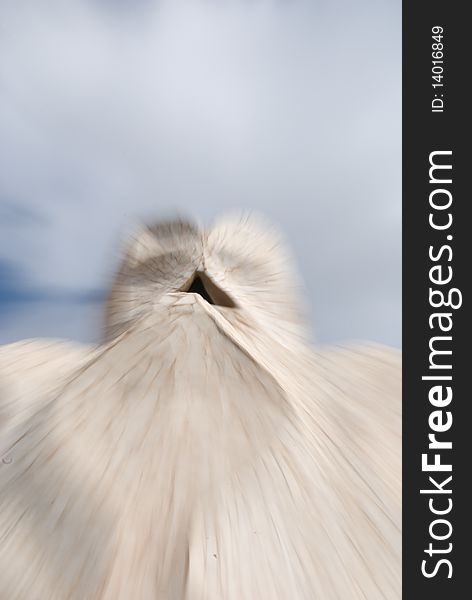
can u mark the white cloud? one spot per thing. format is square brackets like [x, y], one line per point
[290, 108]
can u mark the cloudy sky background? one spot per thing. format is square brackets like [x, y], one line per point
[113, 111]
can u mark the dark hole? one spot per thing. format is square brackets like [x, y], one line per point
[203, 285]
[197, 287]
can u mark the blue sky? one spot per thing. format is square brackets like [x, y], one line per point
[113, 112]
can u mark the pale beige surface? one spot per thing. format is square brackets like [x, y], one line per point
[202, 452]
